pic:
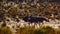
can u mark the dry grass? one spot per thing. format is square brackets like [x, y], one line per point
[5, 30]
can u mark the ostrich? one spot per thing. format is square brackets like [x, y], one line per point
[35, 20]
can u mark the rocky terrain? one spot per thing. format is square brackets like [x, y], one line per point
[16, 14]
